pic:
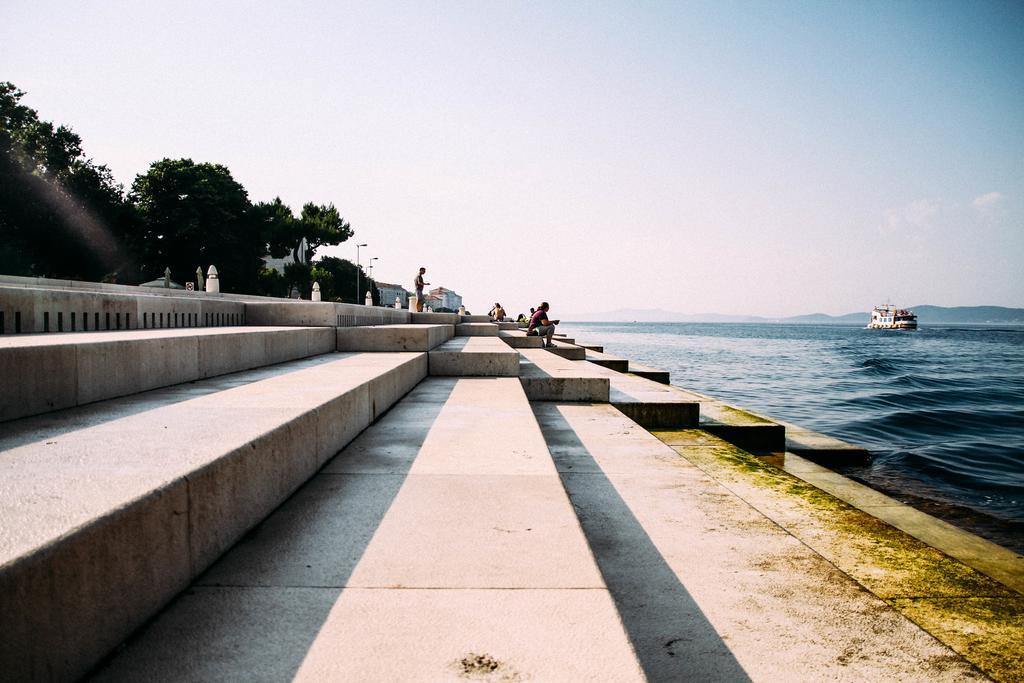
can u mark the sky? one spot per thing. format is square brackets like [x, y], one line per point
[763, 158]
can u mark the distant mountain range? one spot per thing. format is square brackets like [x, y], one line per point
[935, 315]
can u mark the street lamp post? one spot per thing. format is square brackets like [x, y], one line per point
[369, 275]
[357, 271]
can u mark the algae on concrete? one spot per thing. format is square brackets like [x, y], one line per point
[972, 613]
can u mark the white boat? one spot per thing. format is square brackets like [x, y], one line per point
[888, 317]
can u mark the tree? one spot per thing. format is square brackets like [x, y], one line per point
[321, 225]
[61, 215]
[281, 230]
[337, 278]
[197, 215]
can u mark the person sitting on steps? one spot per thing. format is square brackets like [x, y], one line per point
[497, 313]
[542, 326]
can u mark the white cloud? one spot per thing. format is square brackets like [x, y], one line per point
[917, 214]
[987, 201]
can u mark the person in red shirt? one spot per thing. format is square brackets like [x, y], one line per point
[543, 326]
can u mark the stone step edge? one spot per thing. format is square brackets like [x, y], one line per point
[83, 371]
[88, 615]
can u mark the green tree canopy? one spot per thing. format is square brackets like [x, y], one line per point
[337, 278]
[279, 227]
[61, 215]
[197, 215]
[322, 225]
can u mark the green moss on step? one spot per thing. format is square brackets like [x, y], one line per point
[943, 595]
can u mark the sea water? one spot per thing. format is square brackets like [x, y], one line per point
[941, 409]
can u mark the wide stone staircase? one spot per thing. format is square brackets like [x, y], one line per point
[322, 494]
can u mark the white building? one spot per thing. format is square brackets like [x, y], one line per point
[389, 291]
[432, 302]
[447, 298]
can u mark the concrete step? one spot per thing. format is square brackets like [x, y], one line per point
[476, 330]
[665, 532]
[507, 325]
[647, 372]
[821, 447]
[320, 313]
[592, 347]
[474, 357]
[650, 404]
[606, 360]
[564, 338]
[429, 549]
[409, 337]
[110, 510]
[435, 318]
[475, 318]
[567, 350]
[92, 366]
[738, 426]
[548, 377]
[519, 340]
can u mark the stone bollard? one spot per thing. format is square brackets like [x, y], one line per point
[413, 304]
[398, 302]
[200, 282]
[316, 292]
[368, 301]
[212, 281]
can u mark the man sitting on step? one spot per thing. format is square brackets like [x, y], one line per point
[541, 326]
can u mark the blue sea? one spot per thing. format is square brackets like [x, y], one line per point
[941, 409]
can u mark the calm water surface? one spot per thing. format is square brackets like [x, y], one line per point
[941, 409]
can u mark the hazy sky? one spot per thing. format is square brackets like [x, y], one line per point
[768, 158]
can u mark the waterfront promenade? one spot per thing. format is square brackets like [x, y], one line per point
[318, 492]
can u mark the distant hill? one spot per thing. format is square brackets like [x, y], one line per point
[926, 314]
[978, 315]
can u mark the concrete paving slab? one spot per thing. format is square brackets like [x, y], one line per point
[482, 329]
[473, 356]
[478, 531]
[547, 377]
[1002, 564]
[315, 634]
[986, 630]
[886, 561]
[783, 612]
[485, 529]
[409, 337]
[490, 635]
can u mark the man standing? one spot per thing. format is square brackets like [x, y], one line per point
[419, 284]
[544, 327]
